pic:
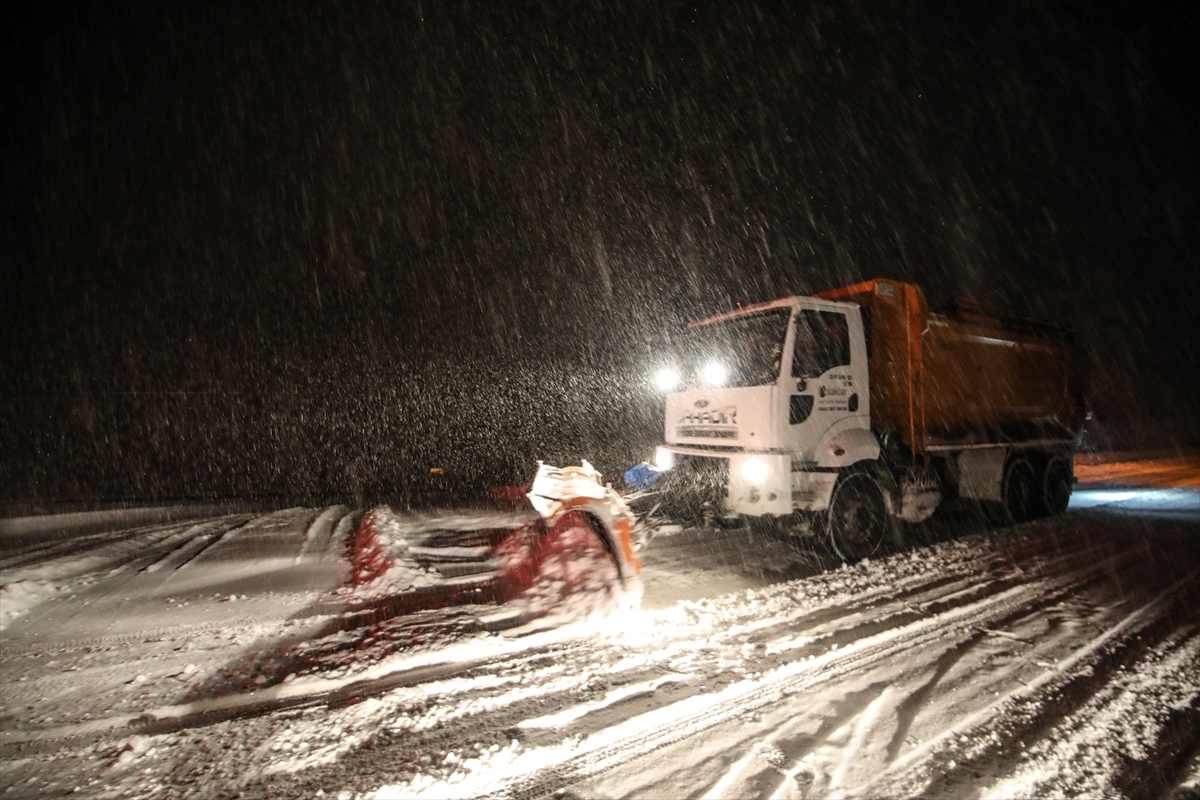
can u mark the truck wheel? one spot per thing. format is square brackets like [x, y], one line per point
[858, 522]
[1056, 486]
[1019, 493]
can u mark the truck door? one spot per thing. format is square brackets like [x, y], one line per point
[828, 391]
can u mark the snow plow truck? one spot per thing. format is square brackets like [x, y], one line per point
[838, 415]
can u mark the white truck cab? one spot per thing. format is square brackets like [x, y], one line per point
[779, 393]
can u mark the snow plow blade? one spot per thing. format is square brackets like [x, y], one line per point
[565, 547]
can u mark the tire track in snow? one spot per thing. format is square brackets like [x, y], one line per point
[1100, 753]
[778, 756]
[1166, 765]
[282, 697]
[822, 626]
[576, 657]
[361, 689]
[197, 536]
[339, 539]
[319, 532]
[184, 631]
[862, 746]
[961, 579]
[82, 546]
[580, 657]
[210, 542]
[661, 727]
[907, 709]
[1069, 682]
[832, 762]
[829, 764]
[826, 633]
[822, 623]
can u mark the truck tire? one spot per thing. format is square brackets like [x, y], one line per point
[1057, 481]
[857, 522]
[1020, 492]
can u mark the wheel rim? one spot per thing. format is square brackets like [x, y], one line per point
[1019, 491]
[1056, 488]
[857, 519]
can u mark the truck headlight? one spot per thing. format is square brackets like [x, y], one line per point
[753, 470]
[666, 379]
[714, 373]
[664, 459]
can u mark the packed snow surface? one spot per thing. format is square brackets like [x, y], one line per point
[223, 655]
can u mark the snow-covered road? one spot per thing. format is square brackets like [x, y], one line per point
[210, 657]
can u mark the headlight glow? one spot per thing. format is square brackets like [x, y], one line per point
[666, 379]
[714, 373]
[753, 470]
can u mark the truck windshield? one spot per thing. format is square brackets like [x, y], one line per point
[743, 351]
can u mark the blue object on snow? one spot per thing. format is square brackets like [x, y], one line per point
[642, 476]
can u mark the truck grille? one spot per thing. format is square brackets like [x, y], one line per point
[707, 433]
[695, 488]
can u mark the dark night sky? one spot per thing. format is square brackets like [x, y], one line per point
[302, 248]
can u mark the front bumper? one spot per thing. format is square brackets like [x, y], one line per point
[723, 483]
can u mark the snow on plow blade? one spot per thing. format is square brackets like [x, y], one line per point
[565, 549]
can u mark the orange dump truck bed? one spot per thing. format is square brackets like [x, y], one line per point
[967, 376]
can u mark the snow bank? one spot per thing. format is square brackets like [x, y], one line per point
[17, 597]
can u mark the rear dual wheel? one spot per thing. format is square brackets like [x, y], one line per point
[1057, 482]
[1020, 491]
[1028, 493]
